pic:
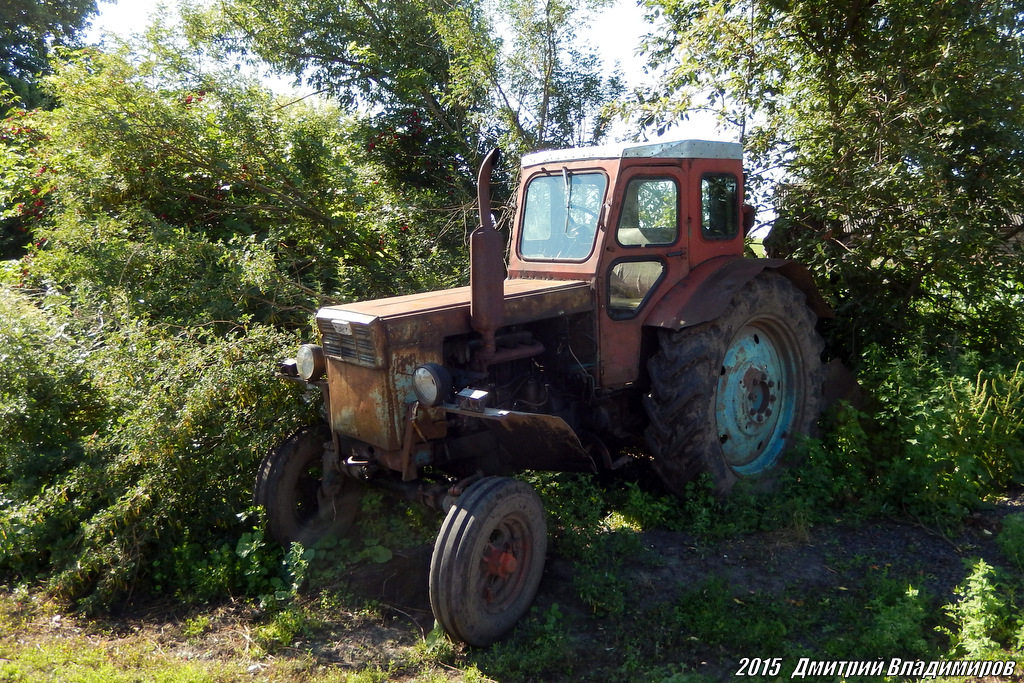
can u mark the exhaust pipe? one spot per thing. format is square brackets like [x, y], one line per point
[486, 269]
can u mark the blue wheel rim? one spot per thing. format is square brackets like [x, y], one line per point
[755, 405]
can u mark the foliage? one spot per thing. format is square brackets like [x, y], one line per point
[546, 634]
[30, 32]
[42, 424]
[592, 536]
[1011, 539]
[895, 131]
[898, 621]
[939, 442]
[23, 185]
[222, 203]
[182, 221]
[550, 90]
[980, 616]
[123, 442]
[444, 88]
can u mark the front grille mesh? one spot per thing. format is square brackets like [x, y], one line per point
[357, 348]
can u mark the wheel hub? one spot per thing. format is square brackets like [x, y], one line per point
[759, 396]
[752, 417]
[500, 562]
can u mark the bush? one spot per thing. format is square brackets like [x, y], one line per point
[1011, 539]
[980, 615]
[184, 228]
[938, 440]
[150, 437]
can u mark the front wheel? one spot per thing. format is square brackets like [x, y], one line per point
[728, 397]
[289, 486]
[488, 560]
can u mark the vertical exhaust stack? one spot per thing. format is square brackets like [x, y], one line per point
[486, 268]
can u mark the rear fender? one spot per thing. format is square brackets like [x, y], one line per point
[704, 294]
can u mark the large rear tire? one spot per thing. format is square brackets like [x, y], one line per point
[289, 486]
[488, 560]
[729, 397]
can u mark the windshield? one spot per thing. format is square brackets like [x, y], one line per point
[560, 216]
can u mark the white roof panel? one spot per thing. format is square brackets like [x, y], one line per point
[676, 149]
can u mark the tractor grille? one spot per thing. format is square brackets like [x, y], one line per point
[351, 342]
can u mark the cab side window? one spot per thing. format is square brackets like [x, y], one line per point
[720, 206]
[649, 213]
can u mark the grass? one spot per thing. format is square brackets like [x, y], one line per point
[224, 644]
[41, 644]
[639, 587]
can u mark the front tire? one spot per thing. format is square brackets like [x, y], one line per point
[729, 397]
[488, 560]
[289, 486]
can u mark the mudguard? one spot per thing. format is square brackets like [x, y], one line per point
[535, 441]
[704, 294]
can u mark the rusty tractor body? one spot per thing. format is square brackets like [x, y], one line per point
[628, 314]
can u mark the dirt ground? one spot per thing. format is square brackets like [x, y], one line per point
[773, 563]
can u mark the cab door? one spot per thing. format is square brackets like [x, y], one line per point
[645, 252]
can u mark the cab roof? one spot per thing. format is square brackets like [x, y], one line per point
[675, 149]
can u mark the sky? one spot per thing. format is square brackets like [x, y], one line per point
[618, 31]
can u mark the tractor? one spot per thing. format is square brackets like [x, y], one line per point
[625, 312]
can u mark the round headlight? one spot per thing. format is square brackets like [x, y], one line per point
[310, 362]
[432, 383]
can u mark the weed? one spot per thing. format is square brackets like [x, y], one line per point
[699, 506]
[714, 617]
[897, 624]
[541, 646]
[196, 626]
[1011, 539]
[644, 510]
[436, 646]
[285, 626]
[979, 616]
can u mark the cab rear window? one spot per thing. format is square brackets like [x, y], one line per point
[720, 206]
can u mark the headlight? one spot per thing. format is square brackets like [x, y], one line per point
[310, 362]
[431, 383]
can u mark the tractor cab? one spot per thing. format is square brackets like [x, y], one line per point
[631, 220]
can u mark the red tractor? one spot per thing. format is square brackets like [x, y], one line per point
[628, 312]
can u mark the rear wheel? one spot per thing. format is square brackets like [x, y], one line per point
[728, 397]
[289, 486]
[488, 560]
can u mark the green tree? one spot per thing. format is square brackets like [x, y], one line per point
[551, 91]
[386, 58]
[896, 127]
[438, 81]
[194, 194]
[31, 30]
